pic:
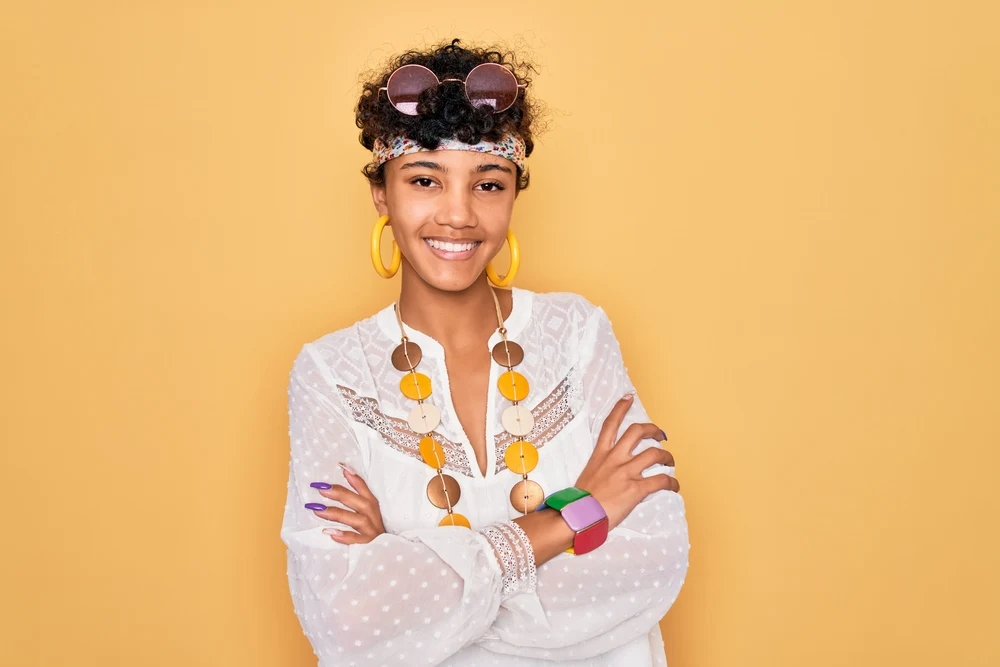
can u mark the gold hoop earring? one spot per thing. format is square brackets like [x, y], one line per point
[397, 256]
[515, 263]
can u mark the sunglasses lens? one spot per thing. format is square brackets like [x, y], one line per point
[492, 85]
[405, 86]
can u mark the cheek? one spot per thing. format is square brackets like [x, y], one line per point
[496, 218]
[407, 217]
[404, 231]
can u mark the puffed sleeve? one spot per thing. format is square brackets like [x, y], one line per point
[418, 596]
[587, 605]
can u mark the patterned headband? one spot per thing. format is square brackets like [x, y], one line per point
[511, 146]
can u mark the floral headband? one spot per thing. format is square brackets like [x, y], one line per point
[511, 146]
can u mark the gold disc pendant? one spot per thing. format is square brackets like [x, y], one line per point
[416, 386]
[432, 452]
[513, 386]
[521, 457]
[443, 491]
[455, 519]
[526, 496]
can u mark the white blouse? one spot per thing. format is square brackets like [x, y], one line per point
[427, 595]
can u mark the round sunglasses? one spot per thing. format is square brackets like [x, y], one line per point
[488, 84]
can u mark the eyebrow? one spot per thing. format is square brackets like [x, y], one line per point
[422, 163]
[493, 166]
[427, 164]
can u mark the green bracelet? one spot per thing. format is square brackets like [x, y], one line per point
[560, 499]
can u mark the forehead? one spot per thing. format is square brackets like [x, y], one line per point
[456, 161]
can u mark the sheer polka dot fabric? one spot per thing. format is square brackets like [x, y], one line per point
[424, 595]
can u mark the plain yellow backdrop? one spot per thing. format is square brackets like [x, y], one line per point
[788, 208]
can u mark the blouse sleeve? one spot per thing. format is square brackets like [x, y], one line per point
[587, 605]
[420, 595]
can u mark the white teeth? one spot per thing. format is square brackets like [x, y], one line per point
[451, 247]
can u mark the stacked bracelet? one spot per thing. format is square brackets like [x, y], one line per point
[583, 514]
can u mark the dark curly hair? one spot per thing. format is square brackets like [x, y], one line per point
[444, 111]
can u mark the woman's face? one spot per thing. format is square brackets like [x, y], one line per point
[449, 212]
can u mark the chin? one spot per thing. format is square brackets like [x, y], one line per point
[453, 281]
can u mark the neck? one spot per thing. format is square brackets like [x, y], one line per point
[462, 320]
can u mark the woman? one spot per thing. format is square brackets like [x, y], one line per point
[472, 480]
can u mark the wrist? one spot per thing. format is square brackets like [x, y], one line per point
[563, 534]
[549, 534]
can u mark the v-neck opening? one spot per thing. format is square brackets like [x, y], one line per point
[520, 309]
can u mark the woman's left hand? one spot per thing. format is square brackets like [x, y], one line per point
[363, 513]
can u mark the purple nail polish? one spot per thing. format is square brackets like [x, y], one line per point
[664, 433]
[315, 507]
[321, 485]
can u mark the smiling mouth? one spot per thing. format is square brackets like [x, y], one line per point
[451, 249]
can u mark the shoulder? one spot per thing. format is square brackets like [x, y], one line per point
[337, 351]
[574, 310]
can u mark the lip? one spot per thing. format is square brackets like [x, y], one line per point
[453, 256]
[448, 239]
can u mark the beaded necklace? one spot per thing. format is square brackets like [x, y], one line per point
[521, 457]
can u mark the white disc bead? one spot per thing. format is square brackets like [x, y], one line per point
[518, 420]
[424, 418]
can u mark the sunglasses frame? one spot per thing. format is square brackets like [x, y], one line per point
[464, 81]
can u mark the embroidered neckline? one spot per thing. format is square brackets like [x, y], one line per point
[552, 414]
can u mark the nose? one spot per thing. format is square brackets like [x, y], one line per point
[456, 209]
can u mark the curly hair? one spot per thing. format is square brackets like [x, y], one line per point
[444, 111]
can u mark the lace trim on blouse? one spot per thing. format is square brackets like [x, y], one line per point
[397, 432]
[517, 558]
[551, 415]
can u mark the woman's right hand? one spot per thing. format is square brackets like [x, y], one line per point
[613, 475]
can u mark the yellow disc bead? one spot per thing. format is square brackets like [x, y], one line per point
[415, 385]
[455, 519]
[521, 457]
[432, 452]
[513, 386]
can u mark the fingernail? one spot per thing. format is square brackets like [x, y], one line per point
[333, 531]
[348, 468]
[316, 507]
[321, 485]
[664, 433]
[628, 397]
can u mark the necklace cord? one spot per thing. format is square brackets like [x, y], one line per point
[496, 303]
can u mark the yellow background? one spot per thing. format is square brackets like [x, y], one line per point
[789, 209]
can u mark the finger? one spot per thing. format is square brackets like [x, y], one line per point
[347, 498]
[653, 483]
[359, 484]
[347, 537]
[358, 522]
[634, 434]
[670, 458]
[650, 457]
[614, 421]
